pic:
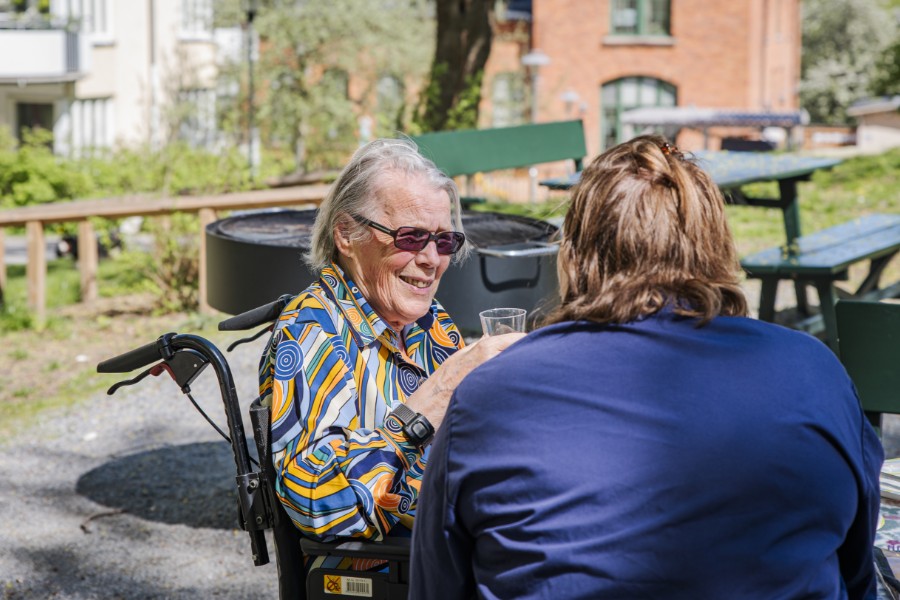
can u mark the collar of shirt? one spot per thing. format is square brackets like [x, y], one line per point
[365, 324]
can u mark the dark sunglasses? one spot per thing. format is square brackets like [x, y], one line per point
[414, 239]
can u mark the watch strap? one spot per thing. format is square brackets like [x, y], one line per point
[404, 413]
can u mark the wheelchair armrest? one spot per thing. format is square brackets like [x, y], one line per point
[389, 549]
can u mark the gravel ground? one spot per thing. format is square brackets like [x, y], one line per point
[129, 496]
[132, 496]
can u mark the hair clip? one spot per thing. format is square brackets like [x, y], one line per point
[670, 150]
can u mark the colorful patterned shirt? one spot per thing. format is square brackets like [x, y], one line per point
[331, 373]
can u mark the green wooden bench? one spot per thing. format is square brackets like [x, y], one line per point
[470, 151]
[824, 257]
[869, 347]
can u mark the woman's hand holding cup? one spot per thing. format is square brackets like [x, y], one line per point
[434, 394]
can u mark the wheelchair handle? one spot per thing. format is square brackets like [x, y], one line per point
[139, 357]
[165, 348]
[256, 316]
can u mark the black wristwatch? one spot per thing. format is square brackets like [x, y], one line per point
[416, 427]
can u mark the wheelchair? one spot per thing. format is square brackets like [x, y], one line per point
[184, 357]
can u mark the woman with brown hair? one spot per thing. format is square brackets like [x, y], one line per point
[651, 440]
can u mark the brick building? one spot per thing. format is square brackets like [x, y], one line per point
[603, 57]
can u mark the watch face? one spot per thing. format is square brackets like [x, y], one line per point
[419, 430]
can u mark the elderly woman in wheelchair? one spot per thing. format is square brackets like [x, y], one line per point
[361, 365]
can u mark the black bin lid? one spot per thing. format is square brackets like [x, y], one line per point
[484, 229]
[288, 228]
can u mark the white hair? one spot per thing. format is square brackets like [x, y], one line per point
[353, 193]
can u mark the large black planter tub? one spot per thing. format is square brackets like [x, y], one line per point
[254, 258]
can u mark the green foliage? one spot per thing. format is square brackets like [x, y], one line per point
[462, 115]
[31, 174]
[174, 271]
[128, 273]
[169, 272]
[886, 80]
[15, 317]
[429, 99]
[173, 169]
[843, 41]
[308, 45]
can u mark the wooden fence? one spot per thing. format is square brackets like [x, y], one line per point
[35, 218]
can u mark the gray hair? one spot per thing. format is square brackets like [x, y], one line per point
[353, 193]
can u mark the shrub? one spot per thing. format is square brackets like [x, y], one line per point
[174, 270]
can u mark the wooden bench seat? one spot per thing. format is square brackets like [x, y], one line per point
[824, 257]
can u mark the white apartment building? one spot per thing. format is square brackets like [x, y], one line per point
[99, 73]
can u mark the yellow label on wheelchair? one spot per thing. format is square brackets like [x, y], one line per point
[348, 586]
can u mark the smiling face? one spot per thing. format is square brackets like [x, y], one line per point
[399, 284]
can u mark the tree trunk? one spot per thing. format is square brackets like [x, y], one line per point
[463, 44]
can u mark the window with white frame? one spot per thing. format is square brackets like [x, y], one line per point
[198, 117]
[640, 17]
[95, 17]
[508, 99]
[624, 94]
[196, 18]
[91, 120]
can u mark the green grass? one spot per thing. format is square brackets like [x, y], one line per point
[62, 283]
[549, 209]
[117, 276]
[52, 383]
[43, 378]
[23, 404]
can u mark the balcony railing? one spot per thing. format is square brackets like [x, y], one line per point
[33, 55]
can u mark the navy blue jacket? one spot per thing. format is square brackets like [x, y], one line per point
[652, 460]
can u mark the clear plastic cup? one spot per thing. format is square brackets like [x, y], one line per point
[497, 321]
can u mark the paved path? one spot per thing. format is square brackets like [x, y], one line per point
[128, 496]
